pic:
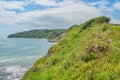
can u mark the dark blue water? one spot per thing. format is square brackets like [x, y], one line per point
[18, 55]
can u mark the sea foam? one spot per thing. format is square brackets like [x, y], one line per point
[16, 72]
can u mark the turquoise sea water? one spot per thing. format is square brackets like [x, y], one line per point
[17, 55]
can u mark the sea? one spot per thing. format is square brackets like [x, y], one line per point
[17, 55]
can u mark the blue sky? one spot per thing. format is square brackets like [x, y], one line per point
[21, 15]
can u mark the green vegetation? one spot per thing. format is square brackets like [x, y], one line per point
[44, 33]
[87, 52]
[116, 24]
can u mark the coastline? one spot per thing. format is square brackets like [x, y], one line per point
[44, 39]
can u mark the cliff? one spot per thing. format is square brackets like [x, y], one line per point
[90, 51]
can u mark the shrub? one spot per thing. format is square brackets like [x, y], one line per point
[97, 48]
[90, 57]
[102, 19]
[104, 28]
[35, 69]
[54, 61]
[88, 23]
[66, 65]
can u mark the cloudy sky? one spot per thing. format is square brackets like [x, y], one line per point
[20, 15]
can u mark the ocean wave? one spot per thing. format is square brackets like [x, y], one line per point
[16, 72]
[25, 48]
[7, 44]
[2, 42]
[18, 58]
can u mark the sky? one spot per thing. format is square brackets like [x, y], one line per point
[22, 15]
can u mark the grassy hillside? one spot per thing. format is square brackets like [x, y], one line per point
[90, 51]
[44, 33]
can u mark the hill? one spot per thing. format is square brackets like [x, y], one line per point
[43, 33]
[90, 51]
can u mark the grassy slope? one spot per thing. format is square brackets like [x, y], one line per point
[83, 54]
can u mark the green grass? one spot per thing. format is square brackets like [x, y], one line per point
[91, 53]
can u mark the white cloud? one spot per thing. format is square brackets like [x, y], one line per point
[59, 17]
[67, 13]
[53, 2]
[45, 2]
[12, 5]
[117, 5]
[102, 5]
[116, 21]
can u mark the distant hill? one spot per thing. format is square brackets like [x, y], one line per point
[116, 24]
[90, 51]
[43, 33]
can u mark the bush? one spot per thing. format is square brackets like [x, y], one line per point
[54, 61]
[90, 57]
[66, 65]
[102, 19]
[104, 28]
[96, 48]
